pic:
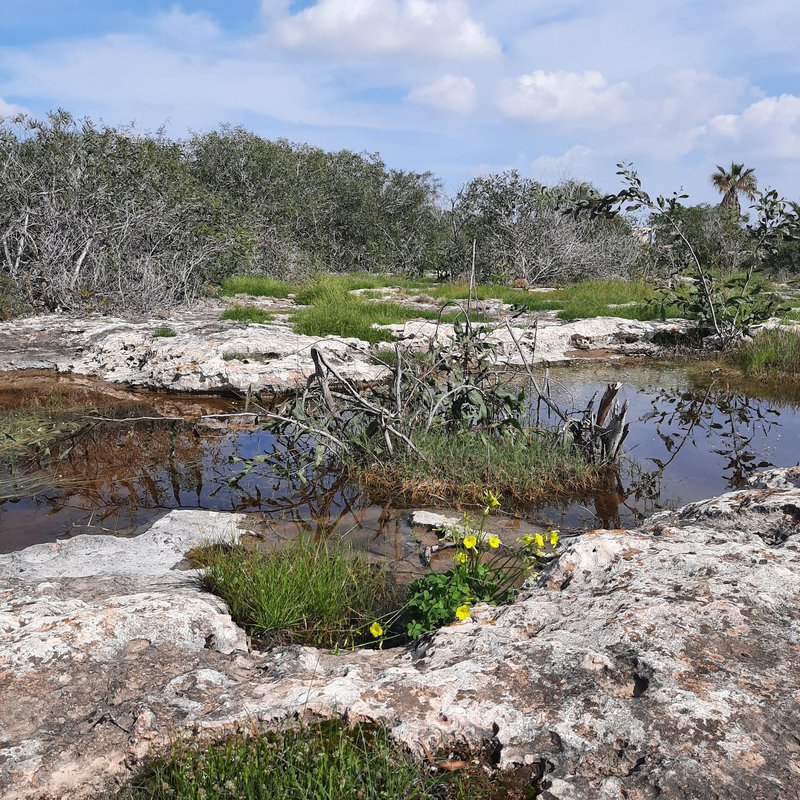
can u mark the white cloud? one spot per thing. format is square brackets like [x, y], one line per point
[440, 29]
[9, 109]
[770, 127]
[574, 163]
[452, 93]
[179, 26]
[566, 98]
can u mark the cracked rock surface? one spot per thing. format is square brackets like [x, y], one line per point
[209, 355]
[657, 663]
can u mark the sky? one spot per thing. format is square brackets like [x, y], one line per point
[552, 88]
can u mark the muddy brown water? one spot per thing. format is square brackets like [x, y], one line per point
[686, 442]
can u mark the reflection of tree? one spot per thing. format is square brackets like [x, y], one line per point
[727, 421]
[730, 421]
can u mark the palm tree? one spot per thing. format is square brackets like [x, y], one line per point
[732, 183]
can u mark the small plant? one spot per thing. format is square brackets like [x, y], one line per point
[324, 595]
[164, 332]
[438, 599]
[248, 314]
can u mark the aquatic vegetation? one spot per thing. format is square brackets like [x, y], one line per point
[771, 353]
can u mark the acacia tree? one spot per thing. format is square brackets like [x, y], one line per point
[731, 183]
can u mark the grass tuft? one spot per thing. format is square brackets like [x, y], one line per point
[164, 332]
[326, 761]
[529, 469]
[770, 354]
[323, 595]
[248, 314]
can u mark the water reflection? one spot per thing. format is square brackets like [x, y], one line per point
[685, 443]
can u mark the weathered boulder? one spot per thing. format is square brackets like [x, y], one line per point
[661, 662]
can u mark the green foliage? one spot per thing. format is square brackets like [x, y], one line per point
[334, 311]
[248, 314]
[309, 593]
[439, 598]
[606, 298]
[256, 286]
[770, 354]
[325, 761]
[164, 332]
[725, 306]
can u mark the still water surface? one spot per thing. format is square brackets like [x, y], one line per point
[686, 442]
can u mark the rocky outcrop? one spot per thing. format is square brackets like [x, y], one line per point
[661, 662]
[203, 355]
[552, 340]
[209, 355]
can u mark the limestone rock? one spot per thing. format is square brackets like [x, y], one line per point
[661, 662]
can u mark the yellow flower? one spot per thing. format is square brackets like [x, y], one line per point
[527, 539]
[553, 538]
[490, 499]
[494, 542]
[376, 630]
[539, 540]
[461, 557]
[470, 542]
[462, 612]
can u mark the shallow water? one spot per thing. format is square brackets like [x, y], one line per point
[686, 442]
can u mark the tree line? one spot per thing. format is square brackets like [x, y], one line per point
[103, 217]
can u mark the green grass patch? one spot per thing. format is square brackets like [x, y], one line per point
[248, 314]
[770, 354]
[164, 332]
[326, 761]
[579, 301]
[333, 311]
[317, 594]
[529, 469]
[256, 286]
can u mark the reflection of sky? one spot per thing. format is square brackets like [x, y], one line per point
[128, 480]
[732, 435]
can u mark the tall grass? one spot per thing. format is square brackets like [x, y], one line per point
[326, 761]
[529, 469]
[324, 595]
[333, 311]
[579, 301]
[771, 353]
